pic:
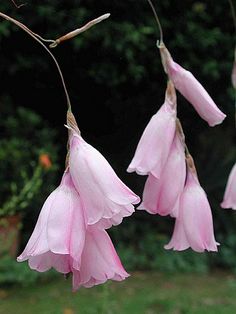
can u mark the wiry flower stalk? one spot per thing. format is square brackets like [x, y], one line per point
[37, 38]
[157, 20]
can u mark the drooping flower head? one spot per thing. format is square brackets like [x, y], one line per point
[105, 198]
[161, 196]
[194, 224]
[58, 237]
[63, 241]
[154, 146]
[191, 89]
[230, 192]
[99, 261]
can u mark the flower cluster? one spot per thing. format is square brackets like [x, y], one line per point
[172, 187]
[70, 232]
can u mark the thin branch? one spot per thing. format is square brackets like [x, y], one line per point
[18, 6]
[79, 30]
[36, 37]
[157, 20]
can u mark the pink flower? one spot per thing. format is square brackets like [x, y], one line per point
[105, 198]
[230, 192]
[161, 196]
[154, 146]
[61, 240]
[99, 262]
[191, 89]
[59, 235]
[194, 225]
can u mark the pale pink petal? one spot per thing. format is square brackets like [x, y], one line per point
[161, 196]
[99, 262]
[38, 242]
[197, 216]
[49, 260]
[230, 192]
[66, 226]
[102, 193]
[178, 241]
[192, 90]
[58, 238]
[153, 148]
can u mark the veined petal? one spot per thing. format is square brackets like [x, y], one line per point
[103, 194]
[98, 247]
[179, 240]
[38, 242]
[161, 196]
[153, 148]
[192, 90]
[58, 238]
[197, 216]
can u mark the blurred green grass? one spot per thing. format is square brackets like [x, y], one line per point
[142, 293]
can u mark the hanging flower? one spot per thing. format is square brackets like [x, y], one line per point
[105, 198]
[59, 235]
[191, 89]
[161, 196]
[154, 146]
[230, 192]
[99, 261]
[62, 241]
[194, 224]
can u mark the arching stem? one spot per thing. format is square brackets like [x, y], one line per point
[18, 6]
[36, 37]
[157, 20]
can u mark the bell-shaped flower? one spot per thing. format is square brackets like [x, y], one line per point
[179, 241]
[194, 225]
[230, 192]
[161, 196]
[99, 261]
[105, 198]
[154, 146]
[59, 235]
[191, 89]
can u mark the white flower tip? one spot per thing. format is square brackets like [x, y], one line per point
[107, 15]
[212, 124]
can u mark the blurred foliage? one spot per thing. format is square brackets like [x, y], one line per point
[115, 79]
[25, 137]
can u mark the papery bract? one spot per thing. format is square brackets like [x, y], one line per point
[160, 196]
[58, 238]
[154, 146]
[191, 89]
[230, 192]
[105, 198]
[194, 225]
[99, 261]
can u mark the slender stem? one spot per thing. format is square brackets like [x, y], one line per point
[18, 5]
[157, 20]
[36, 37]
[233, 13]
